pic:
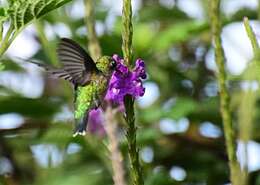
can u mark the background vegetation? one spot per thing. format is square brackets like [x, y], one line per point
[180, 131]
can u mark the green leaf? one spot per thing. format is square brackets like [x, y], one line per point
[141, 42]
[244, 12]
[28, 13]
[160, 178]
[151, 13]
[23, 12]
[38, 7]
[147, 136]
[181, 108]
[10, 65]
[41, 107]
[46, 8]
[2, 12]
[59, 134]
[2, 67]
[179, 32]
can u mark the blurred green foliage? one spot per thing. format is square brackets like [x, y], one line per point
[174, 46]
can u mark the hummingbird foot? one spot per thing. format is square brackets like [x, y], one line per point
[81, 133]
[81, 127]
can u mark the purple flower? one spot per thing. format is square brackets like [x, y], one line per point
[95, 122]
[140, 68]
[122, 82]
[125, 82]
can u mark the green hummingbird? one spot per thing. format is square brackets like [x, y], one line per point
[90, 79]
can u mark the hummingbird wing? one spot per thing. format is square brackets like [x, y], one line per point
[76, 62]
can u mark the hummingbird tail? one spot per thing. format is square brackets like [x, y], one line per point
[81, 127]
[54, 72]
[36, 62]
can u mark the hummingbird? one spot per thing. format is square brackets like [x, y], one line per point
[89, 78]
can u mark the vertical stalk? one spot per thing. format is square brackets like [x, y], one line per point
[251, 36]
[6, 40]
[93, 44]
[133, 151]
[1, 37]
[110, 122]
[45, 43]
[127, 35]
[258, 10]
[246, 115]
[224, 95]
[248, 102]
[116, 157]
[127, 31]
[1, 30]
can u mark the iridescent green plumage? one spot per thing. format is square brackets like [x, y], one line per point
[89, 78]
[88, 95]
[85, 98]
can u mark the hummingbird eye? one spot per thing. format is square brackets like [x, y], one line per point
[113, 64]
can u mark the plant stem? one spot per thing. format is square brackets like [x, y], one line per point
[93, 46]
[6, 41]
[135, 167]
[127, 35]
[247, 110]
[45, 43]
[258, 10]
[127, 31]
[251, 35]
[116, 157]
[1, 30]
[246, 115]
[224, 95]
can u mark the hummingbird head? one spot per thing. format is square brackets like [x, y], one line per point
[106, 65]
